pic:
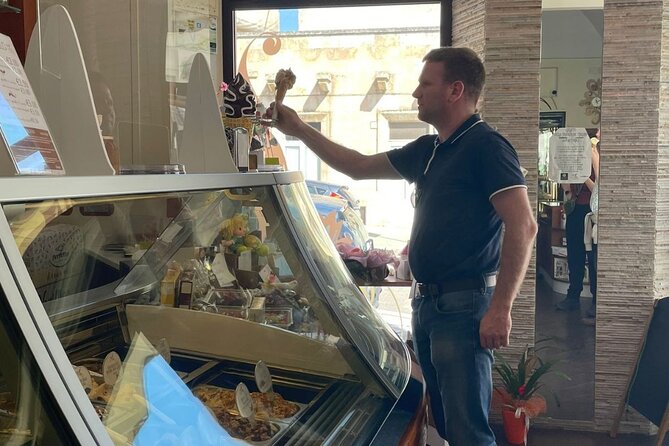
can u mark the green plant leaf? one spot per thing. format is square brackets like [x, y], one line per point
[528, 372]
[538, 373]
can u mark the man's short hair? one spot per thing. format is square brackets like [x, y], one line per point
[460, 64]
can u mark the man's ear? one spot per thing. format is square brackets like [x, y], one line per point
[457, 92]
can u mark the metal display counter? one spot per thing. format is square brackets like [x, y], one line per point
[144, 309]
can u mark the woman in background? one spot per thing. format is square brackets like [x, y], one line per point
[575, 229]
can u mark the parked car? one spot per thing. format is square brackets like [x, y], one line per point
[341, 222]
[333, 190]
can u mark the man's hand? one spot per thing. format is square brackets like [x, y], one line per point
[495, 328]
[520, 227]
[286, 120]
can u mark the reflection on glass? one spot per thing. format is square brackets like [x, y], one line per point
[173, 411]
[379, 339]
[27, 412]
[570, 62]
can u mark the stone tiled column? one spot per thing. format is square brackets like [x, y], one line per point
[633, 265]
[507, 36]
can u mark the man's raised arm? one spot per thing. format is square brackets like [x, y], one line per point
[345, 160]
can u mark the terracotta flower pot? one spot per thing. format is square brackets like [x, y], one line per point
[514, 428]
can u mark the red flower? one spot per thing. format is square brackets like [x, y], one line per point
[521, 390]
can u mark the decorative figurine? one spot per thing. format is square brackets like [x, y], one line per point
[236, 237]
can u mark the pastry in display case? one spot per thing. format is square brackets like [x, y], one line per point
[219, 296]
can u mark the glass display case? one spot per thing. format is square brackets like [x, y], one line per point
[196, 309]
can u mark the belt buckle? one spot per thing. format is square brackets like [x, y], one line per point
[427, 289]
[423, 290]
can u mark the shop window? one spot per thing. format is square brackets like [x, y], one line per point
[299, 157]
[288, 20]
[400, 133]
[352, 65]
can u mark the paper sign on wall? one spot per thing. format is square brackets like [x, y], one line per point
[570, 159]
[22, 126]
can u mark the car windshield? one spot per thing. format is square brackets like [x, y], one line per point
[342, 224]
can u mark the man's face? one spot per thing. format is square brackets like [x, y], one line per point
[432, 93]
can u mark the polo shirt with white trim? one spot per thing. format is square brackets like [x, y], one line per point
[456, 232]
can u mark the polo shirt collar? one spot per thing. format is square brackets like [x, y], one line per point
[460, 131]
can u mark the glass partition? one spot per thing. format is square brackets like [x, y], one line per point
[138, 56]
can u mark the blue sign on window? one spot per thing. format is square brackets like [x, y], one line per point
[288, 22]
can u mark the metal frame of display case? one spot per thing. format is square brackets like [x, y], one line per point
[81, 427]
[32, 315]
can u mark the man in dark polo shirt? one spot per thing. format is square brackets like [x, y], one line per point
[468, 183]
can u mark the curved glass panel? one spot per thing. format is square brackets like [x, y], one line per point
[376, 338]
[215, 282]
[27, 411]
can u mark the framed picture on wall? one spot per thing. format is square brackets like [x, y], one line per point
[552, 119]
[560, 269]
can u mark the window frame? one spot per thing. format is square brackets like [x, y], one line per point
[229, 7]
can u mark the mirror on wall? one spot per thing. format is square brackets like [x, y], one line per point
[571, 67]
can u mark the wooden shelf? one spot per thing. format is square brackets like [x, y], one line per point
[17, 20]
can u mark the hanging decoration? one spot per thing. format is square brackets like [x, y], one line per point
[592, 99]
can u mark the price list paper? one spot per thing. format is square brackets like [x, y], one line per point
[570, 156]
[22, 125]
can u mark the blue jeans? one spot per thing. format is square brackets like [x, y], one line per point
[576, 254]
[457, 370]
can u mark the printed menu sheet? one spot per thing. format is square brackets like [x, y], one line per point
[22, 125]
[570, 156]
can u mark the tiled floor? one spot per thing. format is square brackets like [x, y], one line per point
[571, 342]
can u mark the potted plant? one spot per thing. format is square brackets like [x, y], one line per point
[518, 392]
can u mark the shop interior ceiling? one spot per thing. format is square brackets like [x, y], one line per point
[549, 5]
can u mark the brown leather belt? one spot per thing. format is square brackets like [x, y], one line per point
[452, 286]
